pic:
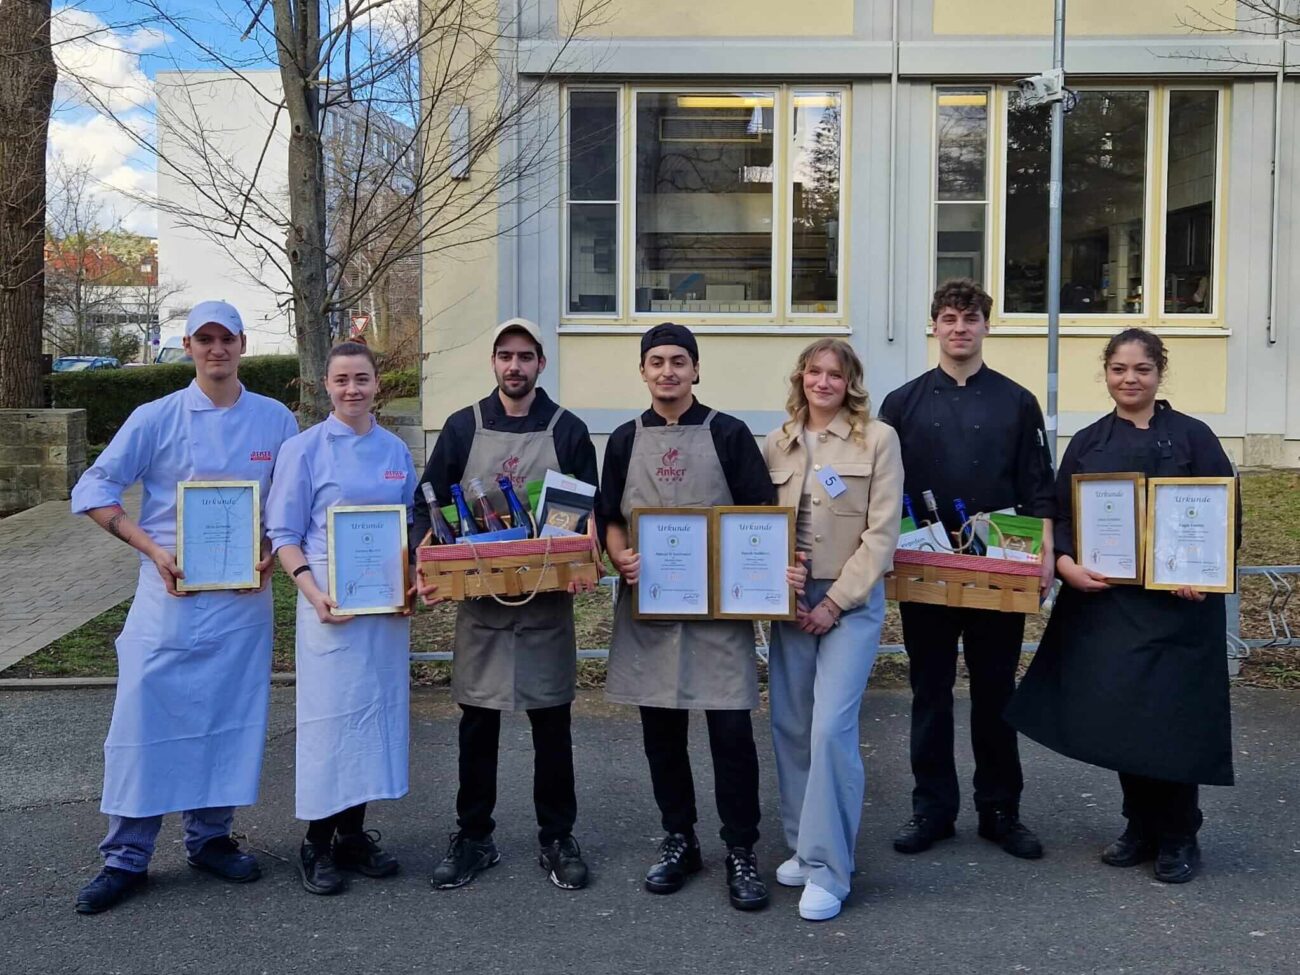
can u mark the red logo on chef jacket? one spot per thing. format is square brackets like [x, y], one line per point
[510, 469]
[261, 455]
[669, 472]
[394, 475]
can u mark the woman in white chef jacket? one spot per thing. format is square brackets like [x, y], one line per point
[353, 681]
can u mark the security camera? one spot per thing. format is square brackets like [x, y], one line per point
[1042, 89]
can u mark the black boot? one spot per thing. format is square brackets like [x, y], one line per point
[679, 856]
[562, 861]
[361, 852]
[1178, 859]
[316, 867]
[746, 887]
[110, 887]
[919, 833]
[1132, 847]
[1003, 827]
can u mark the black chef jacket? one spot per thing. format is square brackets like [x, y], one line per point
[573, 448]
[984, 443]
[742, 462]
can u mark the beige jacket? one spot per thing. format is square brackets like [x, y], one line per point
[855, 534]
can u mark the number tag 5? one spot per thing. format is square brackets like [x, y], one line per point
[831, 482]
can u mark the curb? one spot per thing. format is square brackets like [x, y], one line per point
[80, 683]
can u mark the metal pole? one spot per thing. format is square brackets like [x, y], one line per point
[1054, 240]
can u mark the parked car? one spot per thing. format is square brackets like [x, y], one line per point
[173, 350]
[79, 363]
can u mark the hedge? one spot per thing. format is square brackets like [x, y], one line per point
[400, 383]
[109, 395]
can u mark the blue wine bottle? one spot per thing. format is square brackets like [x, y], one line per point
[968, 537]
[519, 517]
[468, 526]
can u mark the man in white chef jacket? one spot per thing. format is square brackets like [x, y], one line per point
[189, 721]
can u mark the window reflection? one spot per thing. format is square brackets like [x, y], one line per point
[593, 196]
[815, 215]
[1189, 201]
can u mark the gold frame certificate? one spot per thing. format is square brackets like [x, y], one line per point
[367, 558]
[752, 547]
[674, 583]
[218, 535]
[1191, 533]
[1108, 525]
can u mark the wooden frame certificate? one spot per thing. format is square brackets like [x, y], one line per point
[1191, 533]
[367, 558]
[752, 547]
[218, 534]
[674, 547]
[1108, 525]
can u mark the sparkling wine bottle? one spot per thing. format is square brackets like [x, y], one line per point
[440, 531]
[468, 526]
[488, 516]
[519, 517]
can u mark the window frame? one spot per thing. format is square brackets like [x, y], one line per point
[990, 177]
[780, 319]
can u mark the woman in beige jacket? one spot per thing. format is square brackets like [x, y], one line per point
[844, 473]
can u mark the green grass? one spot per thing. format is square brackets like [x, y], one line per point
[1271, 501]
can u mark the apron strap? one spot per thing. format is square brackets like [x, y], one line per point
[639, 424]
[708, 420]
[550, 427]
[478, 417]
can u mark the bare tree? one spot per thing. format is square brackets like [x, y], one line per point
[1277, 19]
[27, 78]
[428, 93]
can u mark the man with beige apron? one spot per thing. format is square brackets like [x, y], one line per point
[680, 453]
[512, 658]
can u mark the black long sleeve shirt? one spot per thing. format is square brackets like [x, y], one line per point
[742, 462]
[573, 448]
[984, 443]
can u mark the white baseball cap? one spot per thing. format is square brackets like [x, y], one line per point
[214, 313]
[517, 325]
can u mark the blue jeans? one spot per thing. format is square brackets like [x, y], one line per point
[130, 841]
[816, 686]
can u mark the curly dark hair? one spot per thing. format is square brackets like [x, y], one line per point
[1150, 342]
[962, 294]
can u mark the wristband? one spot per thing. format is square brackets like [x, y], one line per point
[300, 570]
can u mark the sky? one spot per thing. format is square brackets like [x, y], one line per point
[108, 53]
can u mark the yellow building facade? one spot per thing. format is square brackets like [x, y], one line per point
[768, 173]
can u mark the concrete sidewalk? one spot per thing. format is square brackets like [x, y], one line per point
[963, 907]
[58, 571]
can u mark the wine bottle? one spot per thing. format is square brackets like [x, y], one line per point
[519, 517]
[440, 531]
[468, 526]
[907, 510]
[967, 536]
[488, 516]
[932, 507]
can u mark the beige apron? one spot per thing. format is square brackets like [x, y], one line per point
[707, 664]
[523, 657]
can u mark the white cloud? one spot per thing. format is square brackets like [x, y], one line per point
[100, 64]
[121, 177]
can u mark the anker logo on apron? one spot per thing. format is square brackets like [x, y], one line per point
[668, 472]
[510, 469]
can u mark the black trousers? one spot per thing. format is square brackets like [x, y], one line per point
[1160, 808]
[735, 771]
[553, 792]
[346, 822]
[991, 643]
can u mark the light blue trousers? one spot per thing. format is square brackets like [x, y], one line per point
[130, 841]
[816, 685]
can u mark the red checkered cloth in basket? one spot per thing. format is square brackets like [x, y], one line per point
[558, 545]
[976, 563]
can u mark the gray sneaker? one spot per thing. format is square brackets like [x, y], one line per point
[465, 857]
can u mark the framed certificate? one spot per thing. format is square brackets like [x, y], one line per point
[752, 546]
[1108, 525]
[218, 534]
[1191, 530]
[367, 558]
[674, 547]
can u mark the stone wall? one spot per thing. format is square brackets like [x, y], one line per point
[42, 453]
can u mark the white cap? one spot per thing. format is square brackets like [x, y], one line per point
[214, 313]
[517, 325]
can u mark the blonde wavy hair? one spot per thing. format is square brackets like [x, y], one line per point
[856, 401]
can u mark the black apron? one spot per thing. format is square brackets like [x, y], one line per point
[1132, 679]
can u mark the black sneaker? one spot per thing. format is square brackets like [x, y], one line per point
[562, 861]
[465, 857]
[109, 888]
[1129, 849]
[223, 858]
[679, 856]
[1178, 859]
[920, 833]
[1004, 828]
[360, 852]
[746, 887]
[317, 869]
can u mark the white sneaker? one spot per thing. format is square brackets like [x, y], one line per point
[817, 903]
[792, 873]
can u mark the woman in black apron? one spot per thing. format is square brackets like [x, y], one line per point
[1128, 678]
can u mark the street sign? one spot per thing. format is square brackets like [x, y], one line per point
[359, 324]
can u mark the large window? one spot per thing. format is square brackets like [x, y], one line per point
[733, 205]
[1138, 225]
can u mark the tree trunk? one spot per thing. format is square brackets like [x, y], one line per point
[27, 79]
[297, 28]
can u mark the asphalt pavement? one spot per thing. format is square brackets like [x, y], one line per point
[965, 906]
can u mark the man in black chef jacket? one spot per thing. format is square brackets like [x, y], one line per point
[968, 433]
[512, 658]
